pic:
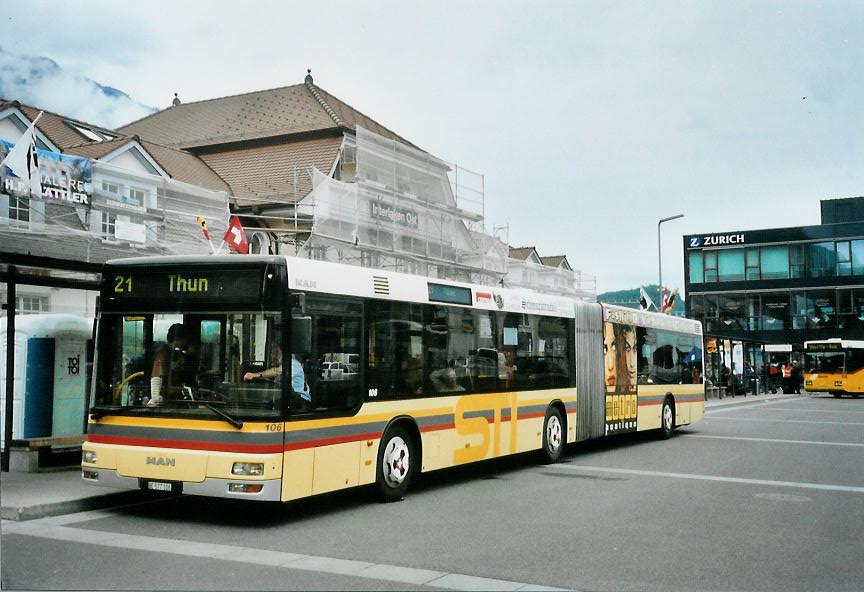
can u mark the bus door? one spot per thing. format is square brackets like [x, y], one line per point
[326, 384]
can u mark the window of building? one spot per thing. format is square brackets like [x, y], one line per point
[19, 210]
[31, 304]
[136, 196]
[697, 307]
[753, 312]
[710, 266]
[856, 248]
[821, 309]
[730, 265]
[799, 310]
[711, 312]
[797, 261]
[111, 188]
[774, 262]
[821, 259]
[109, 224]
[844, 258]
[732, 312]
[697, 275]
[775, 311]
[752, 264]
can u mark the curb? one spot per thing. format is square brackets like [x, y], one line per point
[21, 514]
[752, 400]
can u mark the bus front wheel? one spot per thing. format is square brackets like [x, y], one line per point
[395, 468]
[554, 436]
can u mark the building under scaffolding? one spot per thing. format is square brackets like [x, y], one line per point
[392, 206]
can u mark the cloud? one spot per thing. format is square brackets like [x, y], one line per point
[42, 83]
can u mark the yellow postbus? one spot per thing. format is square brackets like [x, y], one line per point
[276, 378]
[834, 366]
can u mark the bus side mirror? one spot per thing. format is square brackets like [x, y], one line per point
[301, 335]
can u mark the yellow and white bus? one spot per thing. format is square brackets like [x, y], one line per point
[834, 366]
[276, 378]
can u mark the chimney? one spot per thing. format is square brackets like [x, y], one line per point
[309, 76]
[176, 100]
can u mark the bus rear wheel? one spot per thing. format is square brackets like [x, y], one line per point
[554, 436]
[395, 464]
[667, 418]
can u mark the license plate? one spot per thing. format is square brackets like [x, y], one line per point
[159, 486]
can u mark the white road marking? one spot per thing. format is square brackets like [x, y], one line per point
[773, 440]
[805, 410]
[697, 477]
[57, 529]
[762, 419]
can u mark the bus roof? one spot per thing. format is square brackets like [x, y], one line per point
[643, 318]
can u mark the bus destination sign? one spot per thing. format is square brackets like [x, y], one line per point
[234, 285]
[824, 347]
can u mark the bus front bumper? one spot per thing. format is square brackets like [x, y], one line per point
[270, 490]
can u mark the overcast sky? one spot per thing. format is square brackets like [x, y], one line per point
[589, 120]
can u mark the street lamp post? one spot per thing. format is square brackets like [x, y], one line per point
[660, 259]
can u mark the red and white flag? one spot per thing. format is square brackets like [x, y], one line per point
[235, 237]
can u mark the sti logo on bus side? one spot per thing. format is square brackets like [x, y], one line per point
[160, 461]
[716, 240]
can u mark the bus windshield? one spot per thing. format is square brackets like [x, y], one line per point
[824, 361]
[183, 363]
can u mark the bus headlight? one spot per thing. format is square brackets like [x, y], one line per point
[248, 469]
[89, 456]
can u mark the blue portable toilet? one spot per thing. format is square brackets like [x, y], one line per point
[50, 377]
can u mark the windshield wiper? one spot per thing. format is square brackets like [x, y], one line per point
[232, 420]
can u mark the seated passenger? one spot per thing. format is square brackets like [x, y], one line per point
[444, 379]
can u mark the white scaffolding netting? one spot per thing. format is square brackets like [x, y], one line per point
[406, 211]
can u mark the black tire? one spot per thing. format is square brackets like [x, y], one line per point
[396, 464]
[667, 418]
[837, 395]
[554, 436]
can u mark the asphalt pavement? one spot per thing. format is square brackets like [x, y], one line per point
[59, 491]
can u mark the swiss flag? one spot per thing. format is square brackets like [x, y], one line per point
[236, 237]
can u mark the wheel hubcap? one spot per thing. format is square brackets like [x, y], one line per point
[553, 433]
[396, 462]
[667, 416]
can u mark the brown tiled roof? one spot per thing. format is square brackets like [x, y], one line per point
[268, 171]
[182, 166]
[553, 261]
[185, 167]
[521, 253]
[290, 110]
[56, 127]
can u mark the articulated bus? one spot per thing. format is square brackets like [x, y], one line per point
[834, 366]
[277, 378]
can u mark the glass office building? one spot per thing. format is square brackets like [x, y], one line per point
[768, 291]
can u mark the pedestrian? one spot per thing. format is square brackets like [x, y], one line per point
[773, 376]
[796, 378]
[749, 379]
[787, 377]
[730, 381]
